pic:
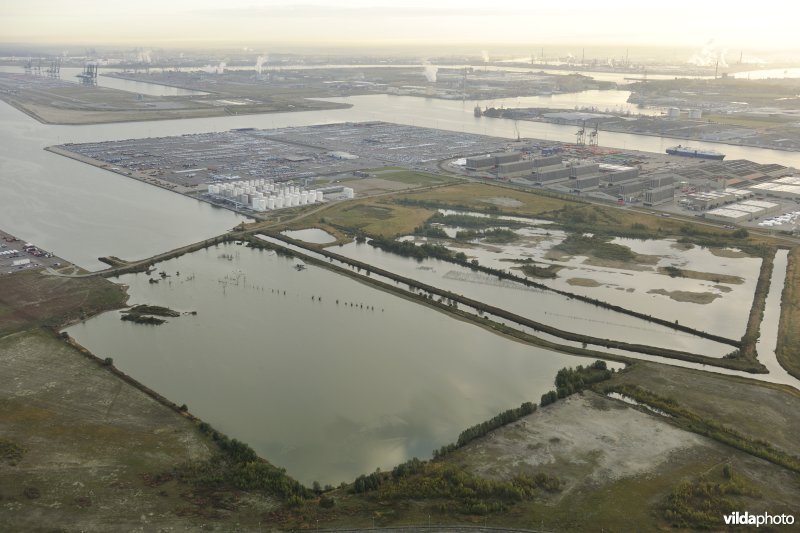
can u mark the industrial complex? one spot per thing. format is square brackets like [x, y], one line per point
[257, 171]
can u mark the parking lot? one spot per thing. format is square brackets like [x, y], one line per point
[17, 255]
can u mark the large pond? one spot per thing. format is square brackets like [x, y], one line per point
[325, 389]
[543, 306]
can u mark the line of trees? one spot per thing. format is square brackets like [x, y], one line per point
[237, 465]
[571, 380]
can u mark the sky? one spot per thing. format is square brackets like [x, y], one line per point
[766, 24]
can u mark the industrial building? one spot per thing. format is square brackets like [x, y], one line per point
[743, 211]
[500, 159]
[514, 169]
[551, 176]
[481, 162]
[702, 201]
[579, 170]
[548, 161]
[615, 174]
[788, 187]
[659, 195]
[660, 180]
[586, 183]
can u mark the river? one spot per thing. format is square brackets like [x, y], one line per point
[81, 212]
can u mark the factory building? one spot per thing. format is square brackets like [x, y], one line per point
[584, 169]
[506, 157]
[781, 188]
[549, 161]
[485, 162]
[730, 216]
[586, 183]
[660, 180]
[546, 177]
[659, 195]
[768, 207]
[481, 162]
[615, 174]
[514, 169]
[709, 200]
[743, 211]
[626, 190]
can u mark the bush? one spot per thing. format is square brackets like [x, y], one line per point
[326, 502]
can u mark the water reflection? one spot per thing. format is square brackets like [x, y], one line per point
[326, 389]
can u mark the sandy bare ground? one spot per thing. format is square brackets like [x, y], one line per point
[585, 439]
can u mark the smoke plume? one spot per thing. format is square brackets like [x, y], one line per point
[709, 55]
[430, 73]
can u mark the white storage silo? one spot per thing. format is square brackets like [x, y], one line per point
[696, 113]
[303, 198]
[319, 196]
[279, 202]
[271, 202]
[673, 112]
[349, 193]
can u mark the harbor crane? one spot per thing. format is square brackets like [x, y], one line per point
[580, 135]
[593, 135]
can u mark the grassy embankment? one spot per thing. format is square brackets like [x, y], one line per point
[788, 348]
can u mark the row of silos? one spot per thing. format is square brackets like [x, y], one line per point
[263, 195]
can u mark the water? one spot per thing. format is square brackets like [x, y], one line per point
[774, 377]
[328, 391]
[543, 306]
[768, 338]
[765, 74]
[81, 212]
[69, 74]
[726, 315]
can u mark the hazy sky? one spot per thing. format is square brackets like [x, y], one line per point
[765, 24]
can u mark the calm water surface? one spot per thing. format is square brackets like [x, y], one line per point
[328, 391]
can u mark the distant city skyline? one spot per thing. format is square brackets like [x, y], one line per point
[359, 22]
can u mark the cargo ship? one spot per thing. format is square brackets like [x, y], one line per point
[685, 151]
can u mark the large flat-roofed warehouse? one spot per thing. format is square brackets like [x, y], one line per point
[485, 162]
[788, 187]
[743, 211]
[514, 169]
[584, 169]
[617, 173]
[723, 214]
[480, 162]
[659, 195]
[708, 200]
[550, 176]
[585, 183]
